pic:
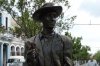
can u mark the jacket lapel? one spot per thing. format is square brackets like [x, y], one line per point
[55, 56]
[39, 50]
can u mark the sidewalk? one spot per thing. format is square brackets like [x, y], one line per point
[83, 65]
[80, 65]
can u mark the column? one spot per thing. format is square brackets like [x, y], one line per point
[8, 52]
[1, 54]
[0, 18]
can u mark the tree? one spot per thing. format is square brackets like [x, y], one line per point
[97, 55]
[79, 52]
[2, 29]
[65, 24]
[16, 31]
[83, 54]
[21, 11]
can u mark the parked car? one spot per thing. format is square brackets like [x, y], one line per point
[15, 61]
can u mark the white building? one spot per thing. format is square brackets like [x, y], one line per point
[9, 45]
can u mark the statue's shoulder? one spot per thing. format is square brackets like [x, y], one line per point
[28, 40]
[64, 38]
[31, 39]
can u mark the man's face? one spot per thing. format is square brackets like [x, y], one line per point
[49, 20]
[91, 58]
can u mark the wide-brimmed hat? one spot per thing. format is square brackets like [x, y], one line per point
[48, 7]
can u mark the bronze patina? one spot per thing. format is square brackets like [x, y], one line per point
[48, 48]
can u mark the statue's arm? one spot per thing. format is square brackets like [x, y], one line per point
[27, 61]
[26, 46]
[67, 48]
[29, 53]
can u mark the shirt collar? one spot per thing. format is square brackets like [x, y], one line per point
[47, 36]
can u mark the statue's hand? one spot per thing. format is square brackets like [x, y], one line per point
[31, 54]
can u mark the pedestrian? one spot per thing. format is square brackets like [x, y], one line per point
[48, 48]
[92, 62]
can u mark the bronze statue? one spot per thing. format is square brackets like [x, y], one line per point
[48, 48]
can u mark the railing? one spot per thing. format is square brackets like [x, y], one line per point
[12, 53]
[18, 53]
[8, 37]
[22, 54]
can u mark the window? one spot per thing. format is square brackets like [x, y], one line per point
[6, 23]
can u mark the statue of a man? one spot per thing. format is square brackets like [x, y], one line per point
[48, 48]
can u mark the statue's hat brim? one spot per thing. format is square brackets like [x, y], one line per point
[48, 7]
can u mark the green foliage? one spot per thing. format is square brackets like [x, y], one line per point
[84, 53]
[79, 52]
[16, 31]
[22, 10]
[2, 29]
[97, 55]
[65, 23]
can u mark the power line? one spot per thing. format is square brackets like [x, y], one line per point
[95, 47]
[86, 24]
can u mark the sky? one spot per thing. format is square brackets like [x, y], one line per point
[87, 12]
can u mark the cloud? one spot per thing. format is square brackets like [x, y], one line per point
[90, 35]
[93, 45]
[92, 7]
[87, 11]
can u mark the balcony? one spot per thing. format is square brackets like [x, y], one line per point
[18, 53]
[12, 53]
[7, 37]
[22, 54]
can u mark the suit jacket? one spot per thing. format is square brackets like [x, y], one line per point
[62, 54]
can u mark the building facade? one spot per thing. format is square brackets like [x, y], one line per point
[9, 44]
